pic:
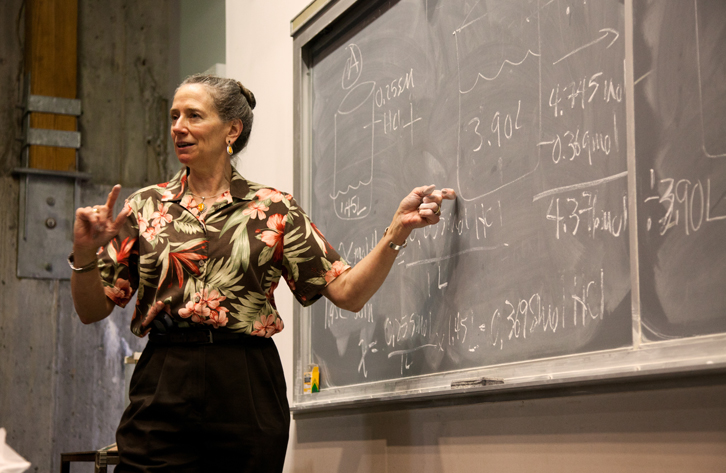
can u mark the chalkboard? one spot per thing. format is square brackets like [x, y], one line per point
[681, 166]
[521, 106]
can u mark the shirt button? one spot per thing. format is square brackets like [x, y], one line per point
[196, 300]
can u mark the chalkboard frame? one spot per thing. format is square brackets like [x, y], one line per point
[672, 359]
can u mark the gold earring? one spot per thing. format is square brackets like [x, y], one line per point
[230, 151]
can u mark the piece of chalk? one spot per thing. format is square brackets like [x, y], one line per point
[466, 383]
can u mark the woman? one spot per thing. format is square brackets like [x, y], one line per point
[204, 252]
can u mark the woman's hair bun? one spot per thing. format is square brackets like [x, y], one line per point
[248, 95]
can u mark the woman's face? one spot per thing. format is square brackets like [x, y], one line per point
[198, 132]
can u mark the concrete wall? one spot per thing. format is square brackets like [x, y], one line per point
[61, 383]
[666, 430]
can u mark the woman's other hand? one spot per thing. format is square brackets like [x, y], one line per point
[422, 207]
[95, 226]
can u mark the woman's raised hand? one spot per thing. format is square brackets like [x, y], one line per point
[423, 206]
[352, 289]
[95, 226]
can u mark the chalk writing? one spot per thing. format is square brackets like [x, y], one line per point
[687, 203]
[394, 89]
[334, 314]
[523, 102]
[583, 92]
[582, 209]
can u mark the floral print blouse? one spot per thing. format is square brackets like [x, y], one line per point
[216, 266]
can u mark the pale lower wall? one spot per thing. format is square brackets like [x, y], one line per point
[667, 430]
[202, 36]
[664, 431]
[259, 54]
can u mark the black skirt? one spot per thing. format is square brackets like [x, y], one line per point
[206, 408]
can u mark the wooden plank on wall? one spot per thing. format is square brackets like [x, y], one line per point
[51, 60]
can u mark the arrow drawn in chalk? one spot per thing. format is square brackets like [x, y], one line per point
[606, 30]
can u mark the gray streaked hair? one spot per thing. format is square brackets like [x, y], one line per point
[232, 100]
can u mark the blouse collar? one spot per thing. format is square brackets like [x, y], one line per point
[177, 186]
